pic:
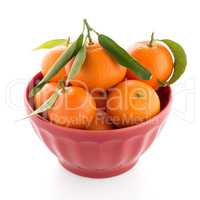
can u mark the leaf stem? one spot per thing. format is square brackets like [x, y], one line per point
[95, 31]
[152, 39]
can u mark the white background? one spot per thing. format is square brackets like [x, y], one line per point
[170, 169]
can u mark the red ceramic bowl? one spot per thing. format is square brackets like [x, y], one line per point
[99, 154]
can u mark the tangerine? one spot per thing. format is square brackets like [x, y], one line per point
[99, 70]
[132, 102]
[100, 122]
[44, 94]
[75, 108]
[48, 62]
[156, 58]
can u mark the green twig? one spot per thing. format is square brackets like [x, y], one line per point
[83, 27]
[88, 31]
[62, 84]
[68, 42]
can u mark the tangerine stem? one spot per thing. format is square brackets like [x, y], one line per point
[68, 42]
[83, 27]
[62, 84]
[91, 29]
[88, 31]
[152, 39]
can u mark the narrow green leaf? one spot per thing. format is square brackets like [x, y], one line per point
[51, 43]
[46, 105]
[79, 43]
[59, 64]
[180, 60]
[35, 90]
[78, 62]
[123, 57]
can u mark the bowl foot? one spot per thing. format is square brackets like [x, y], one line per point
[97, 173]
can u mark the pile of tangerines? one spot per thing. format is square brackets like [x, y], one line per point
[99, 86]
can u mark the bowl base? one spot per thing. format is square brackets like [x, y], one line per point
[97, 173]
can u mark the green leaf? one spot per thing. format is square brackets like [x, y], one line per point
[51, 43]
[180, 60]
[58, 65]
[78, 62]
[36, 89]
[46, 105]
[79, 43]
[123, 58]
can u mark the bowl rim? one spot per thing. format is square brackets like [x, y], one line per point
[94, 132]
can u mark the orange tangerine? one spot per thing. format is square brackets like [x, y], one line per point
[48, 62]
[101, 122]
[132, 102]
[99, 70]
[75, 108]
[156, 58]
[44, 94]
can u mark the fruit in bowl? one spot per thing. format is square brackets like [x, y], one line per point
[155, 57]
[99, 70]
[89, 115]
[132, 102]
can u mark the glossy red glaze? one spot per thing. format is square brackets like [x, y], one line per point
[99, 154]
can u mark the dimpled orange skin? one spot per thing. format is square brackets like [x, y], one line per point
[156, 58]
[132, 102]
[75, 108]
[99, 70]
[101, 122]
[49, 60]
[44, 94]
